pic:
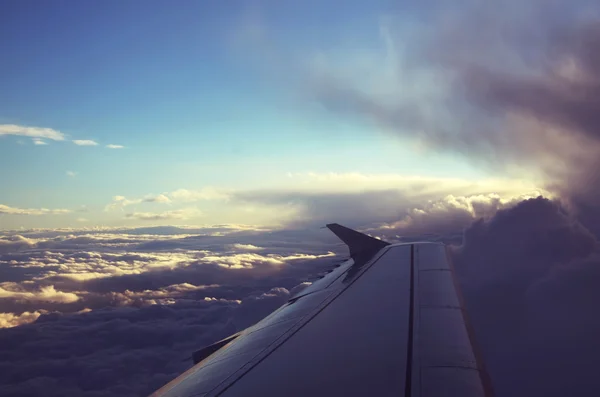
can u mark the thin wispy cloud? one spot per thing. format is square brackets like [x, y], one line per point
[120, 202]
[85, 142]
[5, 209]
[207, 193]
[71, 173]
[180, 195]
[156, 216]
[32, 132]
[112, 146]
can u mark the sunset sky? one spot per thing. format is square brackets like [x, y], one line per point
[165, 168]
[138, 113]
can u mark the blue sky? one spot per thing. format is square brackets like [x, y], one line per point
[200, 95]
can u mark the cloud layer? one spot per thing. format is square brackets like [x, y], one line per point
[118, 312]
[150, 296]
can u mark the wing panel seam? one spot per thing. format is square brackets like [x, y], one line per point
[411, 315]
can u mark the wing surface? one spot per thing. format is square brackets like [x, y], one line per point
[387, 322]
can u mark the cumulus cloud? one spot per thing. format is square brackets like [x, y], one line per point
[4, 209]
[528, 277]
[409, 204]
[448, 215]
[161, 198]
[14, 243]
[8, 320]
[36, 133]
[85, 142]
[113, 146]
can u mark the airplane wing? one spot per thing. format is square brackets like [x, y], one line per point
[387, 322]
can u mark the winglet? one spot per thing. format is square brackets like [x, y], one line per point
[357, 242]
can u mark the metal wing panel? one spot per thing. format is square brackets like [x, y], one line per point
[389, 322]
[445, 364]
[357, 345]
[209, 378]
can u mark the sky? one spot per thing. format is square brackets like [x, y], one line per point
[141, 100]
[165, 172]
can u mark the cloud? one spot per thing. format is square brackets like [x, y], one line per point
[411, 204]
[528, 276]
[207, 193]
[127, 304]
[510, 88]
[4, 209]
[8, 320]
[112, 146]
[120, 202]
[71, 173]
[150, 296]
[85, 142]
[448, 216]
[47, 293]
[246, 247]
[153, 216]
[37, 133]
[39, 142]
[15, 243]
[161, 198]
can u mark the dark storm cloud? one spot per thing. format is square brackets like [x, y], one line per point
[513, 86]
[529, 276]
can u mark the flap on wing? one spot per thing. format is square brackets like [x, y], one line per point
[357, 242]
[201, 354]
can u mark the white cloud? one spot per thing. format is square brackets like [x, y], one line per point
[207, 193]
[5, 209]
[33, 132]
[246, 247]
[71, 173]
[182, 195]
[154, 216]
[250, 260]
[44, 294]
[85, 142]
[112, 146]
[8, 320]
[410, 185]
[38, 141]
[122, 201]
[161, 198]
